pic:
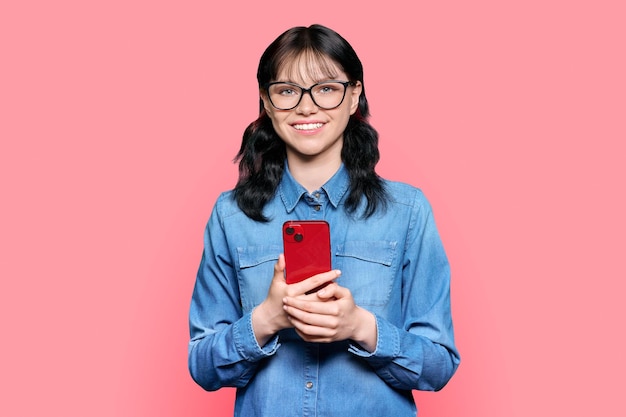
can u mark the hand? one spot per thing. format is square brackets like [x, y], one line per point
[270, 317]
[331, 316]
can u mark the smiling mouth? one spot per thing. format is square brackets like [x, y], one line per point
[308, 126]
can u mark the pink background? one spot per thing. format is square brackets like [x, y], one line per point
[118, 124]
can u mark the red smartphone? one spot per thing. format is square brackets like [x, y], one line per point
[306, 246]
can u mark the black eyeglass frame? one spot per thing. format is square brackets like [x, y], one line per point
[308, 90]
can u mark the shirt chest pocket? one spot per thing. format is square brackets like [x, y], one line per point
[256, 269]
[367, 270]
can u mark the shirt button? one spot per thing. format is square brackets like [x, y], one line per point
[317, 208]
[309, 385]
[316, 195]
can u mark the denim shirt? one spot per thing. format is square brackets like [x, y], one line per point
[394, 265]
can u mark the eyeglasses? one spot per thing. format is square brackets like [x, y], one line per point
[326, 95]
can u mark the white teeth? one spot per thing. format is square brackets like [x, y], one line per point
[308, 126]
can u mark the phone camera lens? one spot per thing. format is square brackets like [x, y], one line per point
[298, 237]
[289, 230]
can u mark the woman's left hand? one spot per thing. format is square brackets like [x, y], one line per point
[333, 316]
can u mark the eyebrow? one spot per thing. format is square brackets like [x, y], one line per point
[318, 81]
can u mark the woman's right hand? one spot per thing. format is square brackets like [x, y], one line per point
[269, 317]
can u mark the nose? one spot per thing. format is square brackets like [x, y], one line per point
[306, 105]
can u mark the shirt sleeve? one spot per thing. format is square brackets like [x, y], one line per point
[223, 350]
[420, 354]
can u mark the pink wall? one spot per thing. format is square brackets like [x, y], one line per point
[118, 122]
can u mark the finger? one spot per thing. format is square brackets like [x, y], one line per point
[313, 282]
[330, 291]
[302, 308]
[311, 332]
[279, 268]
[313, 339]
[308, 297]
[312, 323]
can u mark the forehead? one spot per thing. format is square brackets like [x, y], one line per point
[308, 68]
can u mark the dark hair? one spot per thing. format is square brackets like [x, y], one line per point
[262, 153]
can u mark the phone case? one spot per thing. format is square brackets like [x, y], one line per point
[307, 249]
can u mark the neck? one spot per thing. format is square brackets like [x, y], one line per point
[312, 174]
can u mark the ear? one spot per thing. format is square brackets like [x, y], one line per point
[355, 94]
[266, 102]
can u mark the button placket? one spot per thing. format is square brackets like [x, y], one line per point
[316, 202]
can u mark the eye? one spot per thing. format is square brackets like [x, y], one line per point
[329, 88]
[285, 90]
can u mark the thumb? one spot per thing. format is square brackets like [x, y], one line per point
[279, 268]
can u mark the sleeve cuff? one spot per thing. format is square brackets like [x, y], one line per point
[387, 342]
[246, 343]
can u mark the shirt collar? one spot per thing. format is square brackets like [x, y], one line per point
[291, 191]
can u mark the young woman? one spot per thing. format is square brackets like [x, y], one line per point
[381, 327]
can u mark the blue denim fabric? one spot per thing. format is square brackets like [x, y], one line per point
[393, 263]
